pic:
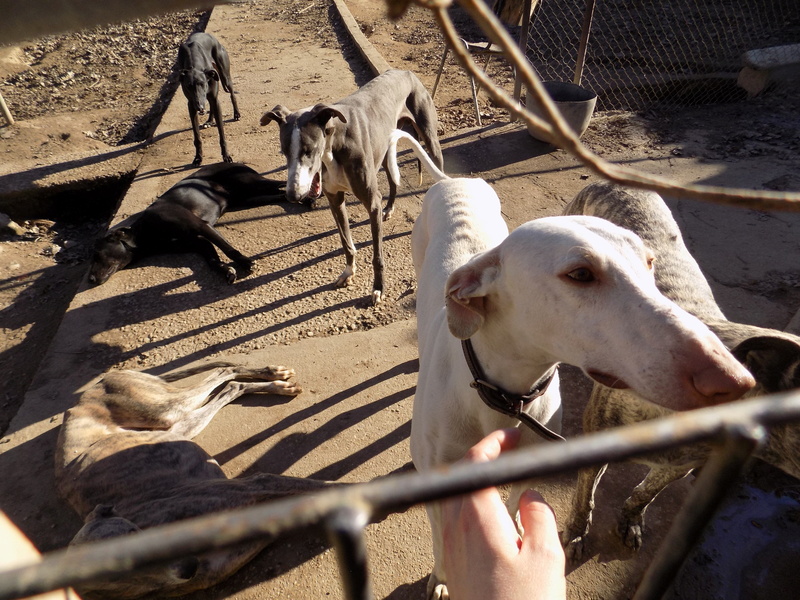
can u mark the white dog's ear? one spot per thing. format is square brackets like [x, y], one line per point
[466, 291]
[277, 114]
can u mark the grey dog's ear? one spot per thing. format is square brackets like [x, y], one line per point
[773, 361]
[322, 113]
[466, 291]
[277, 114]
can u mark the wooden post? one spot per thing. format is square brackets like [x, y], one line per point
[588, 15]
[523, 43]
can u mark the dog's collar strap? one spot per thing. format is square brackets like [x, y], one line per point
[505, 402]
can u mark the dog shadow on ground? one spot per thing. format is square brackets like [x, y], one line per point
[293, 447]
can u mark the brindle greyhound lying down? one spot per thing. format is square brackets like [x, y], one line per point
[773, 357]
[125, 462]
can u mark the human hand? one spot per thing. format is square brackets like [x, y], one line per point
[484, 556]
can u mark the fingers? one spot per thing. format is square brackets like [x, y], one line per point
[539, 523]
[483, 514]
[494, 444]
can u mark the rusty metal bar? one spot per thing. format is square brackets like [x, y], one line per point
[718, 475]
[95, 561]
[346, 532]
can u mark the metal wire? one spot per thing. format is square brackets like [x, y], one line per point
[95, 561]
[553, 125]
[671, 53]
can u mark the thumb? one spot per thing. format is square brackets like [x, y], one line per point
[539, 523]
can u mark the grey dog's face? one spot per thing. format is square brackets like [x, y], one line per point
[304, 140]
[303, 143]
[195, 85]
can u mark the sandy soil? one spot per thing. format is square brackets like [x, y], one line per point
[358, 362]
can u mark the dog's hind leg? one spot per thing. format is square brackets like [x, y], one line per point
[223, 64]
[339, 210]
[366, 190]
[573, 538]
[424, 120]
[197, 420]
[376, 225]
[631, 521]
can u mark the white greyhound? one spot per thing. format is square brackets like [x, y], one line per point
[577, 290]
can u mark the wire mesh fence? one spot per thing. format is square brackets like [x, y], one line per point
[665, 52]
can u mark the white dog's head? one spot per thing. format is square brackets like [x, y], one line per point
[581, 290]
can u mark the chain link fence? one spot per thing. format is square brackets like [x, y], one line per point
[642, 54]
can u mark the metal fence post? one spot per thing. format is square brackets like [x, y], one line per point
[345, 528]
[718, 474]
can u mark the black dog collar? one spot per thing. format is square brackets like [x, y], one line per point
[505, 402]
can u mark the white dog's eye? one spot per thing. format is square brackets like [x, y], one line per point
[581, 275]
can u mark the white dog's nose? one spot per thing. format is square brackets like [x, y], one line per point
[716, 377]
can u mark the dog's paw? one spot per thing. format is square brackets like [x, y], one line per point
[246, 266]
[573, 546]
[274, 372]
[229, 273]
[346, 278]
[285, 388]
[630, 531]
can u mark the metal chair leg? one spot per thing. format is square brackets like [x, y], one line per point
[439, 73]
[475, 101]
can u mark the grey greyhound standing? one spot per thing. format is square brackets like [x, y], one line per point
[773, 357]
[338, 148]
[204, 65]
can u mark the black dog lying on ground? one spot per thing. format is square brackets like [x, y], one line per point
[182, 220]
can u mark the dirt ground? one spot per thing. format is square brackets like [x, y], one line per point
[352, 424]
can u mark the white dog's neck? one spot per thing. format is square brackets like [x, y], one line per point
[507, 366]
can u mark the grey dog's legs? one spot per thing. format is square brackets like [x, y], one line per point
[631, 521]
[573, 538]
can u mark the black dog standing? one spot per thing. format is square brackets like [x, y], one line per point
[204, 65]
